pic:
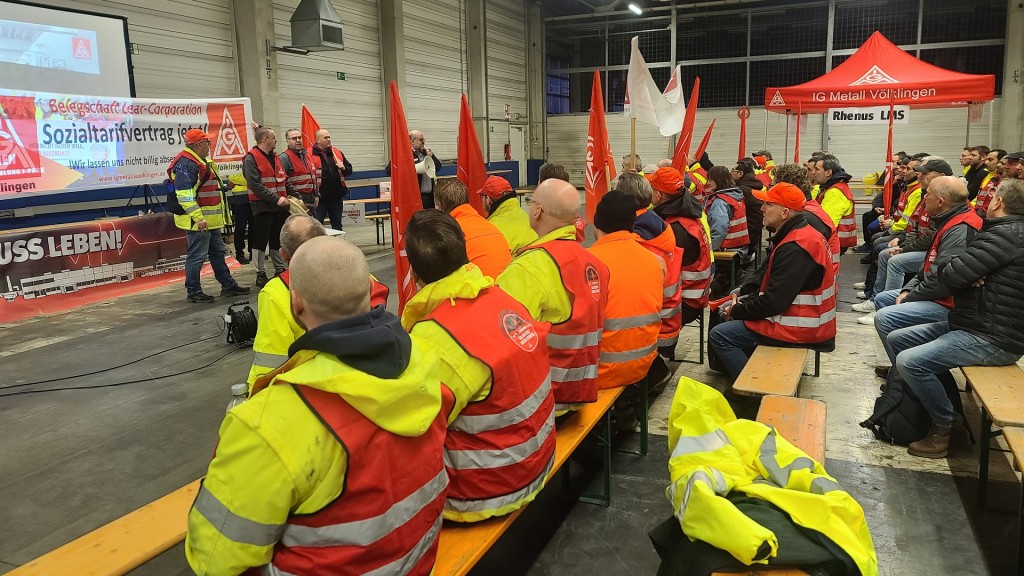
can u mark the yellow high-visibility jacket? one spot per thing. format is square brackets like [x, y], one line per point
[514, 224]
[713, 454]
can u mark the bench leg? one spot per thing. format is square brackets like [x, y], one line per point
[817, 363]
[605, 497]
[644, 424]
[986, 436]
[700, 326]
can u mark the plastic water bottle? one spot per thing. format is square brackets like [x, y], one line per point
[239, 394]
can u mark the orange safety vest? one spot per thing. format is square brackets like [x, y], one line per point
[847, 228]
[575, 344]
[388, 517]
[318, 168]
[814, 210]
[273, 177]
[301, 177]
[695, 278]
[499, 450]
[811, 318]
[736, 236]
[970, 218]
[633, 315]
[664, 247]
[486, 246]
[208, 193]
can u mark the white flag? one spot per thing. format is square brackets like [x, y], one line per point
[648, 104]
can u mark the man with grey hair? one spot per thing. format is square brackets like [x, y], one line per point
[985, 326]
[422, 157]
[926, 299]
[353, 421]
[277, 330]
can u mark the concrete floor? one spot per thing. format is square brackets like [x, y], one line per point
[74, 460]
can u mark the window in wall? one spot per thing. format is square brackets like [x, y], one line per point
[792, 30]
[557, 87]
[855, 21]
[949, 20]
[976, 60]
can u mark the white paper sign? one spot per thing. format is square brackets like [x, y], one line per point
[869, 115]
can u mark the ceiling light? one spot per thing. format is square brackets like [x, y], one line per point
[635, 9]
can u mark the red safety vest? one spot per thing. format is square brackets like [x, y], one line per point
[388, 517]
[208, 193]
[695, 278]
[273, 177]
[811, 318]
[969, 218]
[736, 236]
[575, 344]
[813, 209]
[919, 219]
[986, 194]
[847, 228]
[301, 177]
[500, 450]
[664, 247]
[905, 197]
[318, 169]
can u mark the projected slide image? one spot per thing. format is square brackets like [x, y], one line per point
[49, 47]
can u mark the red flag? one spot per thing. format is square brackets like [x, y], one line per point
[796, 148]
[705, 141]
[308, 127]
[472, 171]
[743, 133]
[405, 195]
[686, 135]
[887, 190]
[600, 164]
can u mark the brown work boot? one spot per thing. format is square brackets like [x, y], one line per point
[934, 445]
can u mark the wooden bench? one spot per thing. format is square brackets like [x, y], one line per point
[728, 256]
[772, 371]
[1015, 440]
[379, 226]
[802, 422]
[138, 537]
[463, 545]
[124, 544]
[1000, 391]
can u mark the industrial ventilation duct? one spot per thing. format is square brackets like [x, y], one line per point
[316, 26]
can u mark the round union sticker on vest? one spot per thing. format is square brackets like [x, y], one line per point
[520, 331]
[594, 280]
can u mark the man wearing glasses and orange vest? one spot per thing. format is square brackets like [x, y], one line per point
[199, 208]
[298, 166]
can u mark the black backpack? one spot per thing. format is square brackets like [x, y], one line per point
[172, 204]
[899, 417]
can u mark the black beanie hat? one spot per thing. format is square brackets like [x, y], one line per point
[616, 211]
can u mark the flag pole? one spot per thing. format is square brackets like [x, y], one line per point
[786, 153]
[632, 144]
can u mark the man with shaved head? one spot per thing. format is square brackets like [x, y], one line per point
[343, 440]
[561, 283]
[330, 167]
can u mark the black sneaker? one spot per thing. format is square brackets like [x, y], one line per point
[242, 259]
[235, 290]
[200, 298]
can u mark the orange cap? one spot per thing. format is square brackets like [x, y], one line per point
[195, 136]
[666, 180]
[761, 160]
[783, 194]
[495, 187]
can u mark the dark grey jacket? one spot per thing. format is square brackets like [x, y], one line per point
[926, 286]
[994, 310]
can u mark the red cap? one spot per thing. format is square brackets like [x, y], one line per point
[784, 194]
[195, 136]
[666, 180]
[495, 187]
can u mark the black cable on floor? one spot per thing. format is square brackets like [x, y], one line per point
[141, 380]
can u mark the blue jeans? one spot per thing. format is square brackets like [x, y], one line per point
[200, 246]
[925, 351]
[893, 269]
[733, 343]
[891, 316]
[332, 210]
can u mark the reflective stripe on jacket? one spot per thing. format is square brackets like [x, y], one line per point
[811, 318]
[736, 236]
[204, 201]
[301, 177]
[273, 177]
[500, 449]
[847, 226]
[575, 343]
[813, 210]
[664, 247]
[632, 315]
[986, 194]
[698, 179]
[969, 218]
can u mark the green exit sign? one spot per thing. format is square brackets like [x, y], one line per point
[341, 75]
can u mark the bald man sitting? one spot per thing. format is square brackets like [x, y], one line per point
[560, 282]
[336, 458]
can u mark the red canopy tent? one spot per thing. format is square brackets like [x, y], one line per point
[879, 73]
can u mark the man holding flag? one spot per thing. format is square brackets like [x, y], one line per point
[331, 167]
